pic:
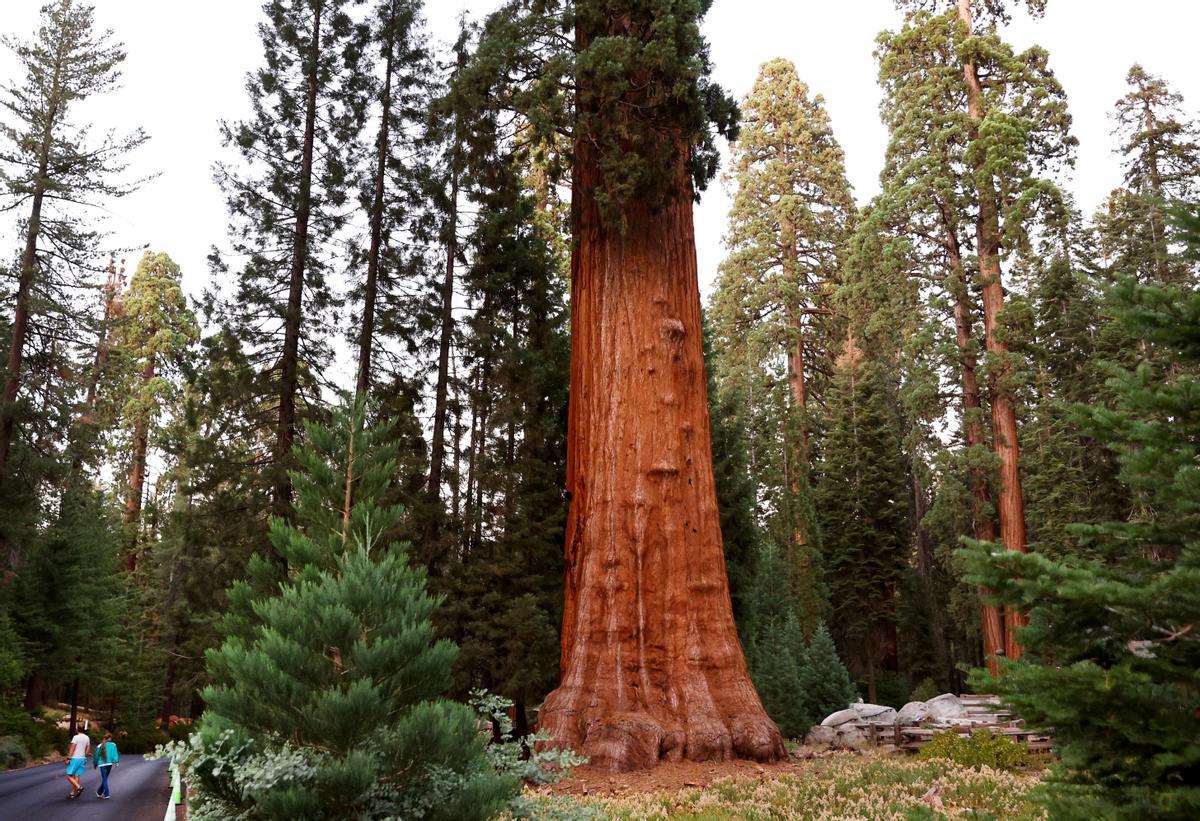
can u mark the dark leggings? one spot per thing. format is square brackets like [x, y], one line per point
[104, 780]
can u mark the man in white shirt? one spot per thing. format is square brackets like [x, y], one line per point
[77, 762]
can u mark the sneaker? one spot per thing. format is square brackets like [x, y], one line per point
[108, 796]
[99, 794]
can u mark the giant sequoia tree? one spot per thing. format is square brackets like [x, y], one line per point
[787, 233]
[1014, 128]
[153, 333]
[651, 665]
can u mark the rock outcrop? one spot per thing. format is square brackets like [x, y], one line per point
[845, 728]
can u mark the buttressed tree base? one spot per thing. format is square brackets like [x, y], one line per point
[651, 663]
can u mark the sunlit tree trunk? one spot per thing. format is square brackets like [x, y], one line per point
[651, 664]
[137, 474]
[983, 526]
[1004, 416]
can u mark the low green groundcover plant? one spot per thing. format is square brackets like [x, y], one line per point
[982, 748]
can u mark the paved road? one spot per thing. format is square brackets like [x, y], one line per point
[139, 789]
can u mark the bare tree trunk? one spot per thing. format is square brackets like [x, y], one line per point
[366, 337]
[651, 665]
[20, 326]
[1004, 416]
[74, 706]
[137, 474]
[35, 690]
[456, 476]
[438, 447]
[289, 364]
[982, 524]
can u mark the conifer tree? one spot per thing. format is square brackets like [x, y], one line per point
[287, 196]
[862, 496]
[505, 588]
[55, 169]
[1111, 631]
[778, 674]
[1008, 135]
[735, 493]
[787, 231]
[1070, 477]
[1162, 163]
[341, 664]
[155, 330]
[69, 594]
[396, 186]
[824, 680]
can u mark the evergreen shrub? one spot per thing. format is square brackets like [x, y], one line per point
[38, 738]
[982, 748]
[12, 752]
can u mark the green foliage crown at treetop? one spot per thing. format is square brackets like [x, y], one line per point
[1111, 650]
[632, 81]
[1022, 140]
[344, 472]
[156, 324]
[68, 62]
[1161, 148]
[329, 697]
[988, 11]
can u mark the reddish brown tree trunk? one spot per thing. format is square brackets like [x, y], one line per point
[1004, 416]
[651, 665]
[983, 526]
[137, 474]
[289, 363]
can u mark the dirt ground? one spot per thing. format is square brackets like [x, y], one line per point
[669, 777]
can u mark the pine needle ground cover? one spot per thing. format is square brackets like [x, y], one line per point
[839, 786]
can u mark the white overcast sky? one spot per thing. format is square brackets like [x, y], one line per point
[187, 63]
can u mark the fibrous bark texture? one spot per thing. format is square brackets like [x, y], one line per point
[651, 664]
[1004, 414]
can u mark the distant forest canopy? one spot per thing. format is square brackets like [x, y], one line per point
[920, 409]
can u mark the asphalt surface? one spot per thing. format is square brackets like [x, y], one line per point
[139, 790]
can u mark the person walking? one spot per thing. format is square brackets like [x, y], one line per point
[77, 761]
[106, 758]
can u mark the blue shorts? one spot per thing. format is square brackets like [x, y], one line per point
[76, 766]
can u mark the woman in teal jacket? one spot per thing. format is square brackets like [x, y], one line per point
[106, 758]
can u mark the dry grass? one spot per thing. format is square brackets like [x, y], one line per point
[834, 787]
